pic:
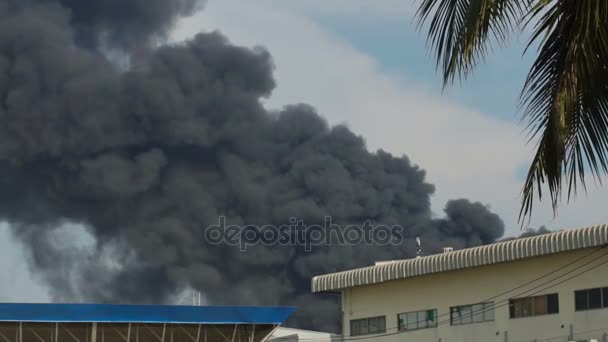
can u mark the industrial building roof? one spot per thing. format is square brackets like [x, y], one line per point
[86, 313]
[501, 252]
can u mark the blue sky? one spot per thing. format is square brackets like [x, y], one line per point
[401, 50]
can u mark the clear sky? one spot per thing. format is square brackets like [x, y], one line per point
[363, 63]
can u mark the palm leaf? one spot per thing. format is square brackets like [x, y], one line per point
[565, 97]
[460, 31]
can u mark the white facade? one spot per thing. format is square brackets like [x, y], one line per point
[577, 265]
[283, 334]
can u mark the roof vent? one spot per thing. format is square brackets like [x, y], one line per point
[448, 249]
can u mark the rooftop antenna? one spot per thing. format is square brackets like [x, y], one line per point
[418, 247]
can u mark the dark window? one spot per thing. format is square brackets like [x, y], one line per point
[466, 314]
[552, 304]
[355, 327]
[580, 300]
[591, 299]
[373, 325]
[595, 298]
[522, 307]
[377, 325]
[534, 306]
[364, 327]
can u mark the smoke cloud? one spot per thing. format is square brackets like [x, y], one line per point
[146, 158]
[530, 233]
[132, 23]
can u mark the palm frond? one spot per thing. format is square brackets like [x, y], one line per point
[565, 97]
[460, 31]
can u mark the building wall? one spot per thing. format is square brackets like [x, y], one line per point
[444, 290]
[283, 334]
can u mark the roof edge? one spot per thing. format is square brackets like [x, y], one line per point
[149, 314]
[500, 252]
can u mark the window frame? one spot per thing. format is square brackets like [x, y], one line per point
[366, 320]
[595, 304]
[533, 301]
[549, 302]
[603, 300]
[470, 319]
[577, 298]
[401, 327]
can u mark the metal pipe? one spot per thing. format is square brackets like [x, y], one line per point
[94, 333]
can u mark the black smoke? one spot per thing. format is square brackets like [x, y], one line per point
[123, 24]
[148, 157]
[530, 232]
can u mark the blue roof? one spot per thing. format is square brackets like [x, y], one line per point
[82, 313]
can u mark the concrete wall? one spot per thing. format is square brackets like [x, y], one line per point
[443, 290]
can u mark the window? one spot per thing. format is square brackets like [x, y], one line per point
[591, 299]
[534, 306]
[373, 325]
[522, 307]
[540, 306]
[580, 300]
[595, 298]
[466, 314]
[552, 304]
[417, 319]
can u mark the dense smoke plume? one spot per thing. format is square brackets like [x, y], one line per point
[146, 158]
[120, 23]
[530, 232]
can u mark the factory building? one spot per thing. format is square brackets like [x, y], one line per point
[552, 287]
[137, 323]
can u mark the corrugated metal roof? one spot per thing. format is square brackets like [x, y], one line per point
[559, 242]
[88, 313]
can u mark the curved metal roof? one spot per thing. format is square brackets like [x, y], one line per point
[107, 313]
[501, 252]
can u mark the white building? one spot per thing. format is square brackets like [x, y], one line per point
[552, 287]
[282, 334]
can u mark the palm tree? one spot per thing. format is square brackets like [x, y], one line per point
[565, 95]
